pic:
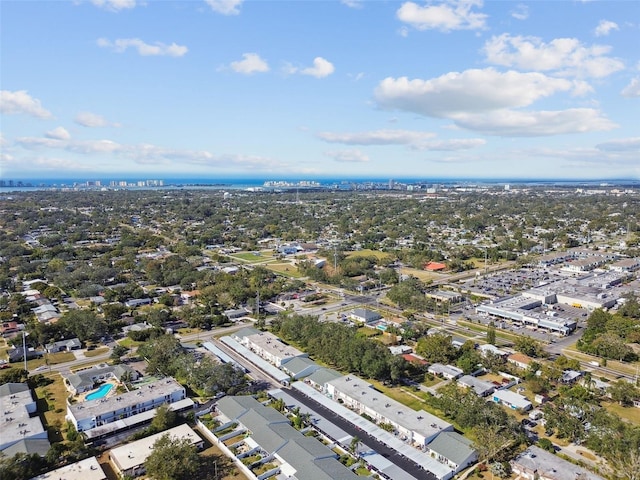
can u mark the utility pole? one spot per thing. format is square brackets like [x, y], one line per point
[24, 350]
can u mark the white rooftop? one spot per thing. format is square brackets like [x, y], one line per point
[363, 392]
[135, 453]
[87, 469]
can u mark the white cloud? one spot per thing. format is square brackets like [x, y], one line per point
[377, 137]
[147, 154]
[604, 28]
[225, 7]
[413, 139]
[564, 56]
[348, 156]
[521, 12]
[59, 133]
[446, 16]
[633, 89]
[512, 123]
[21, 102]
[114, 5]
[353, 3]
[321, 68]
[471, 91]
[158, 49]
[621, 145]
[250, 63]
[93, 120]
[452, 145]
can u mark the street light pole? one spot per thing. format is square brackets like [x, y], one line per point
[24, 350]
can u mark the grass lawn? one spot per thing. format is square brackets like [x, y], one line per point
[96, 352]
[285, 269]
[129, 343]
[251, 257]
[52, 402]
[572, 352]
[630, 414]
[371, 253]
[421, 275]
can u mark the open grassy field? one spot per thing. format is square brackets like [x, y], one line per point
[253, 257]
[628, 368]
[371, 253]
[285, 269]
[630, 414]
[421, 275]
[51, 401]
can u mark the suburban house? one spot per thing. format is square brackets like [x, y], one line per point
[480, 387]
[520, 360]
[64, 345]
[85, 380]
[535, 463]
[512, 400]
[129, 459]
[447, 371]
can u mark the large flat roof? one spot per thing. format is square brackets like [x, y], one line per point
[268, 342]
[14, 417]
[363, 392]
[87, 469]
[146, 393]
[135, 453]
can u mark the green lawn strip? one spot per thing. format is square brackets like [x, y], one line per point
[96, 352]
[285, 269]
[630, 414]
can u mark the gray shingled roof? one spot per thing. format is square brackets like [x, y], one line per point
[452, 446]
[12, 388]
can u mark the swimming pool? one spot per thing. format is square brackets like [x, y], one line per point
[100, 393]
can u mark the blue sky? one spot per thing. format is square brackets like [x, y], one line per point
[312, 89]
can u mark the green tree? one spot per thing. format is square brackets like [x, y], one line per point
[172, 459]
[163, 419]
[491, 334]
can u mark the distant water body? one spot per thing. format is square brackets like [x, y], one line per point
[251, 183]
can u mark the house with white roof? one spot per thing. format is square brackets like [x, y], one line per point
[511, 399]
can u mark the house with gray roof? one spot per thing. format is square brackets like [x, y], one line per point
[321, 377]
[453, 449]
[480, 387]
[85, 380]
[536, 463]
[64, 345]
[300, 367]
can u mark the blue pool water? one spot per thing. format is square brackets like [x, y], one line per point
[100, 393]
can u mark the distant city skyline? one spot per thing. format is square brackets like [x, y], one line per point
[131, 89]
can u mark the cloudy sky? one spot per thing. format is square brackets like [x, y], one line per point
[311, 89]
